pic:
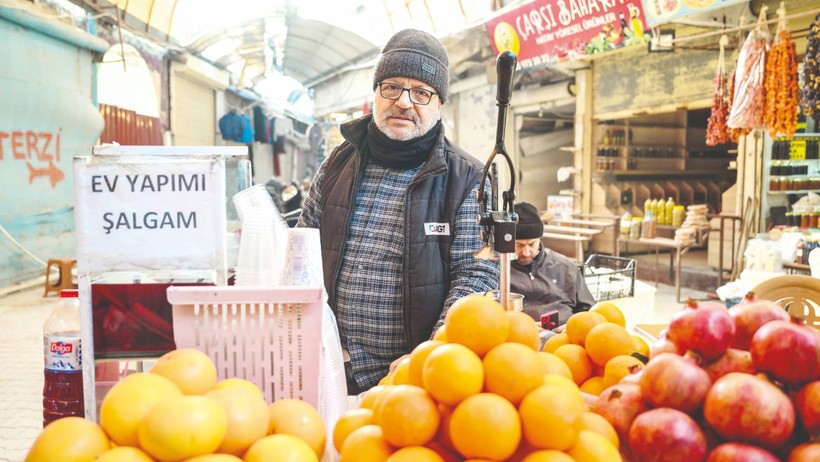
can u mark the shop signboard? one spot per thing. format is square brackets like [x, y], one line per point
[150, 212]
[663, 11]
[546, 32]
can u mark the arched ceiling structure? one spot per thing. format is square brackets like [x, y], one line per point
[308, 40]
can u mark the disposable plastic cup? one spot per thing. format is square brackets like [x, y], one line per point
[303, 258]
[253, 200]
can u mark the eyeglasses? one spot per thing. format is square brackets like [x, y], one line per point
[392, 91]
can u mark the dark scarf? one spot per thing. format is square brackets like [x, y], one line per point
[400, 155]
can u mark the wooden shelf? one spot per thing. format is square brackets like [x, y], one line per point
[625, 175]
[795, 191]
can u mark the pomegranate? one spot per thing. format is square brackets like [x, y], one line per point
[674, 381]
[731, 361]
[788, 351]
[747, 408]
[808, 408]
[703, 327]
[666, 435]
[809, 452]
[620, 404]
[749, 316]
[664, 345]
[740, 452]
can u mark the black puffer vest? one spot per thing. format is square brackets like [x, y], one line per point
[434, 196]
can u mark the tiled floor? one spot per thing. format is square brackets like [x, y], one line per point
[23, 310]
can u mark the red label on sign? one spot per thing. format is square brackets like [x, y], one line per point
[61, 348]
[546, 32]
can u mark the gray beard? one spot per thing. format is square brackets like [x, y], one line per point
[390, 132]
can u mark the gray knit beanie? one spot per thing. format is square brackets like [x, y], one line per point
[416, 55]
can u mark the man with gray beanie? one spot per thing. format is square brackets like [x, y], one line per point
[548, 280]
[396, 207]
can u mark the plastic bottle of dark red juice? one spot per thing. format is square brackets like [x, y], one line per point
[63, 387]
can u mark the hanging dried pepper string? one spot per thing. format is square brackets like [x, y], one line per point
[781, 82]
[810, 90]
[717, 132]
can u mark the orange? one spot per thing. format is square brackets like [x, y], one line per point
[401, 374]
[453, 372]
[553, 407]
[300, 419]
[523, 329]
[69, 438]
[512, 370]
[555, 341]
[571, 387]
[619, 367]
[610, 311]
[598, 424]
[408, 416]
[124, 454]
[606, 341]
[348, 422]
[593, 385]
[548, 455]
[417, 358]
[477, 322]
[127, 403]
[191, 370]
[237, 382]
[280, 448]
[593, 447]
[213, 458]
[576, 358]
[415, 454]
[440, 334]
[448, 454]
[554, 365]
[485, 426]
[579, 325]
[366, 444]
[183, 426]
[640, 345]
[248, 418]
[370, 396]
[443, 436]
[387, 379]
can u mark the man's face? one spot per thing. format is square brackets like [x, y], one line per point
[402, 119]
[527, 249]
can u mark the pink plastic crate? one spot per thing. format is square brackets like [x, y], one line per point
[270, 336]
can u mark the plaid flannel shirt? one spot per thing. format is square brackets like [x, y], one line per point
[369, 301]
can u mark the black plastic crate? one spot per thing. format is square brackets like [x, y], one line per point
[610, 277]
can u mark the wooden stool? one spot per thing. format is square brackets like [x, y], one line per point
[64, 278]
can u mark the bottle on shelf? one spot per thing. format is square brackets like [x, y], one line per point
[63, 385]
[648, 228]
[607, 138]
[626, 224]
[647, 206]
[635, 229]
[653, 207]
[660, 217]
[678, 213]
[670, 209]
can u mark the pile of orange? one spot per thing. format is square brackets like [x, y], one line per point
[479, 391]
[597, 348]
[179, 412]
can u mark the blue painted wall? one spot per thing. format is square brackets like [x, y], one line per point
[47, 116]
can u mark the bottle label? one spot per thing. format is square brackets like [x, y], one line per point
[63, 353]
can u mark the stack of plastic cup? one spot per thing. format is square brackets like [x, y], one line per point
[260, 252]
[303, 258]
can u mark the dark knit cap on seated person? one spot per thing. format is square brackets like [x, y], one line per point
[416, 55]
[529, 224]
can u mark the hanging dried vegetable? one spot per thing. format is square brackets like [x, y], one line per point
[781, 82]
[717, 132]
[810, 90]
[749, 103]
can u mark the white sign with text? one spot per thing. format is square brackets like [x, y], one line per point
[150, 213]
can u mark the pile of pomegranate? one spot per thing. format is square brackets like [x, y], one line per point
[721, 385]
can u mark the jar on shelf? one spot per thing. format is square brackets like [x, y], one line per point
[635, 228]
[678, 213]
[774, 184]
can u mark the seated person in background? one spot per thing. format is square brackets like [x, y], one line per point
[547, 280]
